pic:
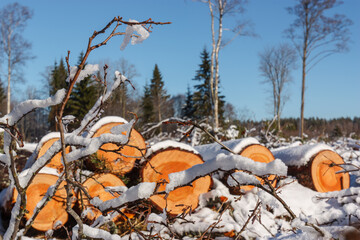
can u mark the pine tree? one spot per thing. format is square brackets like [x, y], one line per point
[147, 107]
[82, 99]
[158, 95]
[2, 98]
[202, 95]
[83, 96]
[57, 81]
[188, 109]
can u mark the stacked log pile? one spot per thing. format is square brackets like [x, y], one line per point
[317, 167]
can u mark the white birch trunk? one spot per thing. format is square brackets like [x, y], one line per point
[212, 54]
[222, 4]
[8, 100]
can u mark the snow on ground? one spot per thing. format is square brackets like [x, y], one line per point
[264, 217]
[333, 212]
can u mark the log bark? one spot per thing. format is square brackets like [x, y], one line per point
[321, 172]
[124, 161]
[165, 161]
[54, 213]
[96, 187]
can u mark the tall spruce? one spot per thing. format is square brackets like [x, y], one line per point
[202, 94]
[158, 95]
[188, 109]
[147, 108]
[83, 97]
[57, 81]
[2, 98]
[204, 108]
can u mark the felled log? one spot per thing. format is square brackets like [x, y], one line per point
[47, 141]
[96, 186]
[315, 166]
[123, 160]
[54, 214]
[246, 147]
[169, 157]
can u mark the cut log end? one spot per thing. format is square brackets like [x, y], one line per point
[321, 173]
[258, 153]
[55, 162]
[171, 160]
[95, 186]
[324, 172]
[124, 162]
[54, 213]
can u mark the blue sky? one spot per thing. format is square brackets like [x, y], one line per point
[333, 86]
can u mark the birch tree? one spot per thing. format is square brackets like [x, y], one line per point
[14, 48]
[219, 9]
[276, 64]
[316, 36]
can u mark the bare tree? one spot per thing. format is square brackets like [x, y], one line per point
[13, 18]
[124, 98]
[218, 10]
[316, 36]
[276, 64]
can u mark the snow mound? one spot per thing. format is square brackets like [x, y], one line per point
[103, 121]
[209, 151]
[299, 155]
[169, 144]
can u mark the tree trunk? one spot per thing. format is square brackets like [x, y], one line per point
[212, 54]
[216, 82]
[301, 129]
[8, 108]
[304, 57]
[278, 111]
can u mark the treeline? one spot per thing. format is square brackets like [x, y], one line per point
[150, 105]
[319, 128]
[153, 104]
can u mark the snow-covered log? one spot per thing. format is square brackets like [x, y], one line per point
[123, 160]
[246, 147]
[315, 166]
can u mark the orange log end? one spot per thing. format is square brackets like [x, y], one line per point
[116, 162]
[170, 161]
[55, 162]
[54, 213]
[258, 153]
[324, 172]
[95, 186]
